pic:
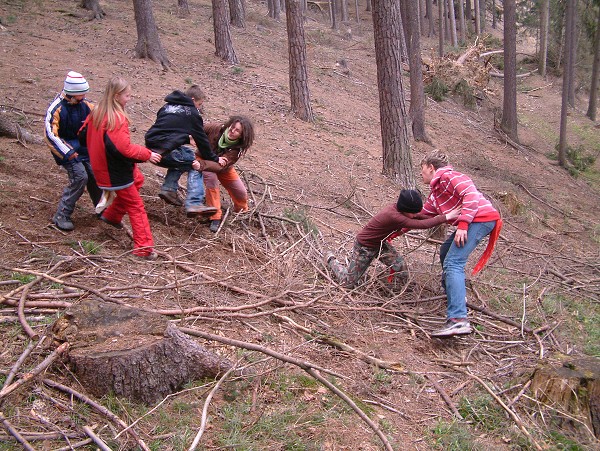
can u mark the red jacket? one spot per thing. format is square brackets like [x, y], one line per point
[450, 189]
[113, 155]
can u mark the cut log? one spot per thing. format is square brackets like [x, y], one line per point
[571, 385]
[10, 128]
[132, 353]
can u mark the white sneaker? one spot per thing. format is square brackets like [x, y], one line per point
[454, 326]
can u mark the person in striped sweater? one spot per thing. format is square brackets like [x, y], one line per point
[451, 189]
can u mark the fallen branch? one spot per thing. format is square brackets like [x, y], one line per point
[305, 365]
[13, 371]
[99, 408]
[12, 431]
[445, 397]
[97, 440]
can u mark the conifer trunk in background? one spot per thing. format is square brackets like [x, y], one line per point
[148, 41]
[223, 44]
[397, 160]
[477, 17]
[430, 21]
[441, 27]
[461, 22]
[509, 110]
[299, 93]
[237, 11]
[593, 103]
[544, 24]
[183, 9]
[562, 143]
[481, 15]
[452, 23]
[417, 94]
[571, 59]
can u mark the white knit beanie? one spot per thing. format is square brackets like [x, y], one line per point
[75, 84]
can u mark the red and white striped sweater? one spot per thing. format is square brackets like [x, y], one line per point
[451, 189]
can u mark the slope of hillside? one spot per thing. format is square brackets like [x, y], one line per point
[312, 186]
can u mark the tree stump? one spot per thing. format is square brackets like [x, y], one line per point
[132, 353]
[572, 386]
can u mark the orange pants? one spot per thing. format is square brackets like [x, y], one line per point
[230, 179]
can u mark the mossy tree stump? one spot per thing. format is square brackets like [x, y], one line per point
[132, 353]
[571, 385]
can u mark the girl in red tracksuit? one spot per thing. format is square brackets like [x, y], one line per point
[113, 159]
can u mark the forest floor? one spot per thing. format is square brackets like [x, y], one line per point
[313, 186]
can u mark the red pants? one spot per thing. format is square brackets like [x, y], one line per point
[230, 179]
[128, 201]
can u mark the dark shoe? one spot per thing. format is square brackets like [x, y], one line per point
[63, 223]
[197, 210]
[150, 257]
[171, 197]
[116, 225]
[214, 225]
[453, 326]
[328, 257]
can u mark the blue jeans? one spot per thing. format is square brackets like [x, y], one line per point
[179, 161]
[454, 260]
[80, 175]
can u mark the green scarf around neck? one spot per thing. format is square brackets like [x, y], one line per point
[225, 142]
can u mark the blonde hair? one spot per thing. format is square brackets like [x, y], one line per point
[108, 108]
[436, 158]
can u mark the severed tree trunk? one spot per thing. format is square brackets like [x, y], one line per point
[593, 103]
[567, 74]
[237, 11]
[417, 94]
[132, 353]
[148, 42]
[397, 160]
[299, 93]
[94, 7]
[544, 27]
[183, 9]
[10, 127]
[223, 43]
[509, 109]
[570, 386]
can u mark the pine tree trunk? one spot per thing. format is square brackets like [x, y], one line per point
[593, 103]
[397, 161]
[430, 19]
[562, 143]
[223, 44]
[509, 110]
[299, 93]
[452, 23]
[544, 24]
[477, 15]
[148, 42]
[441, 27]
[94, 7]
[237, 11]
[462, 23]
[417, 94]
[572, 57]
[183, 9]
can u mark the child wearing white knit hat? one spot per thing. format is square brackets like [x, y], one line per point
[64, 118]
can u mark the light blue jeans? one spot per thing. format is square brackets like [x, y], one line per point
[454, 260]
[179, 161]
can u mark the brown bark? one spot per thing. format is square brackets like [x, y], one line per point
[509, 110]
[148, 42]
[223, 43]
[397, 161]
[430, 20]
[10, 128]
[571, 386]
[183, 9]
[131, 353]
[544, 24]
[299, 93]
[441, 28]
[417, 94]
[237, 11]
[567, 74]
[94, 7]
[593, 103]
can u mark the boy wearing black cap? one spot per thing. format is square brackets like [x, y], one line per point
[371, 239]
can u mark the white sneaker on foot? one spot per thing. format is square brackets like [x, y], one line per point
[454, 326]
